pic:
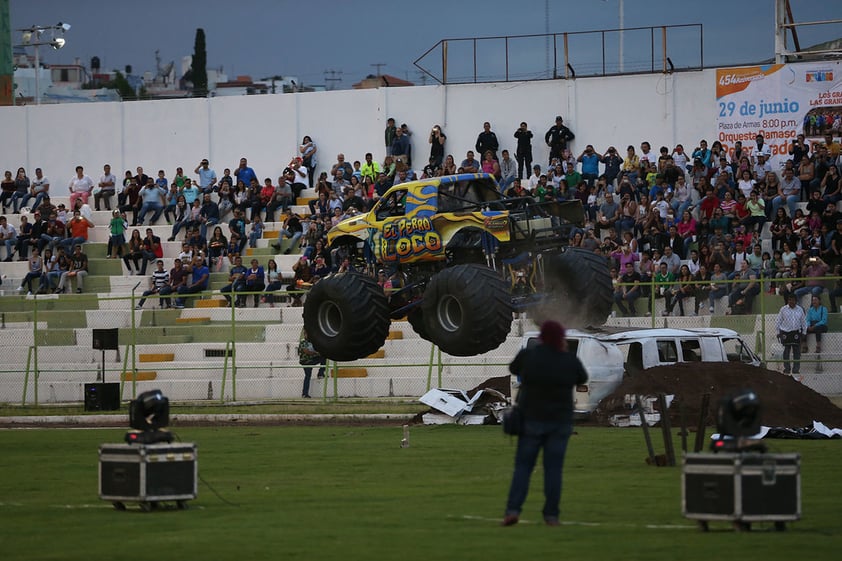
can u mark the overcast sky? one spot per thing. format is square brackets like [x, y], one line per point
[305, 38]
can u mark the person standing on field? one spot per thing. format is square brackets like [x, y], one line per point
[548, 374]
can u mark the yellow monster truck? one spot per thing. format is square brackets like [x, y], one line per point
[461, 258]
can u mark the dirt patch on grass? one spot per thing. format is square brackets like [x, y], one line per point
[785, 402]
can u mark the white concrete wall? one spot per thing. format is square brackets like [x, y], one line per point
[267, 129]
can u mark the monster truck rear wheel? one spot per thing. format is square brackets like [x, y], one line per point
[467, 310]
[578, 285]
[346, 316]
[416, 319]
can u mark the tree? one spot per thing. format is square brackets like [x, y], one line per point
[122, 86]
[198, 68]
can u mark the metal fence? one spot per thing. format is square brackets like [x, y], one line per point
[204, 352]
[564, 55]
[821, 370]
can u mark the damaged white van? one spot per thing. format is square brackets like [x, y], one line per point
[610, 355]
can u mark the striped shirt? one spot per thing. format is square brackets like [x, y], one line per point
[160, 279]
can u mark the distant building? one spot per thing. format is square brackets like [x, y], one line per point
[381, 81]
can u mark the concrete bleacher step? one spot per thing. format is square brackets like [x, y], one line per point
[381, 353]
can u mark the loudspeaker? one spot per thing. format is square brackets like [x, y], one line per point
[105, 339]
[102, 396]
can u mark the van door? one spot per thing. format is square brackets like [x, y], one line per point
[691, 350]
[737, 351]
[667, 351]
[712, 350]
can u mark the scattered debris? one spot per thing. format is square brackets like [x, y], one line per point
[482, 405]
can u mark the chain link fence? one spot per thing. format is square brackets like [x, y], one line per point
[749, 307]
[207, 351]
[216, 353]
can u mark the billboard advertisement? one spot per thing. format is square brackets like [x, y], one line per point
[779, 101]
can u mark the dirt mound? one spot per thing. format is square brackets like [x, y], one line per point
[785, 402]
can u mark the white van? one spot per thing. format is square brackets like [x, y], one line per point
[608, 356]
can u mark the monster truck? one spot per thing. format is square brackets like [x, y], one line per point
[462, 258]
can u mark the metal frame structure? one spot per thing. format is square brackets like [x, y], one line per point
[567, 70]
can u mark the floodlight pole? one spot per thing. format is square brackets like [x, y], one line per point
[38, 76]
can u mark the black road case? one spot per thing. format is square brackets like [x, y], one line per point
[147, 474]
[742, 487]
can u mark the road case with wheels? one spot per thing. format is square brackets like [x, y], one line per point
[742, 487]
[148, 474]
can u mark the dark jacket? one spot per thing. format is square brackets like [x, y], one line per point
[548, 379]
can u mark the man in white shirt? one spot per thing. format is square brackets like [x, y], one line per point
[791, 326]
[39, 187]
[9, 237]
[106, 185]
[80, 187]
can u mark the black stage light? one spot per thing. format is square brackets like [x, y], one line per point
[149, 413]
[738, 419]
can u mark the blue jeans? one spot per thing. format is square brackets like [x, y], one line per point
[791, 202]
[814, 290]
[157, 208]
[308, 372]
[552, 437]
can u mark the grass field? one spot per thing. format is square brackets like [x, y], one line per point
[351, 493]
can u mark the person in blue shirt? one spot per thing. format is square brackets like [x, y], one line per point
[817, 321]
[244, 173]
[236, 282]
[197, 281]
[590, 160]
[255, 281]
[207, 176]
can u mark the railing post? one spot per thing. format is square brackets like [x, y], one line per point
[652, 300]
[36, 373]
[566, 58]
[664, 46]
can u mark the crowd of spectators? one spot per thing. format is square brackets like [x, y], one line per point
[690, 220]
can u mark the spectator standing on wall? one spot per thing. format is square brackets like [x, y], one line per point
[557, 138]
[548, 374]
[401, 147]
[487, 140]
[389, 135]
[436, 140]
[523, 154]
[207, 176]
[243, 173]
[307, 150]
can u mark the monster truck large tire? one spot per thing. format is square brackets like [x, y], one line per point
[579, 290]
[467, 310]
[416, 319]
[346, 316]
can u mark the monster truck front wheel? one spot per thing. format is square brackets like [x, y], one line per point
[346, 316]
[579, 289]
[467, 310]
